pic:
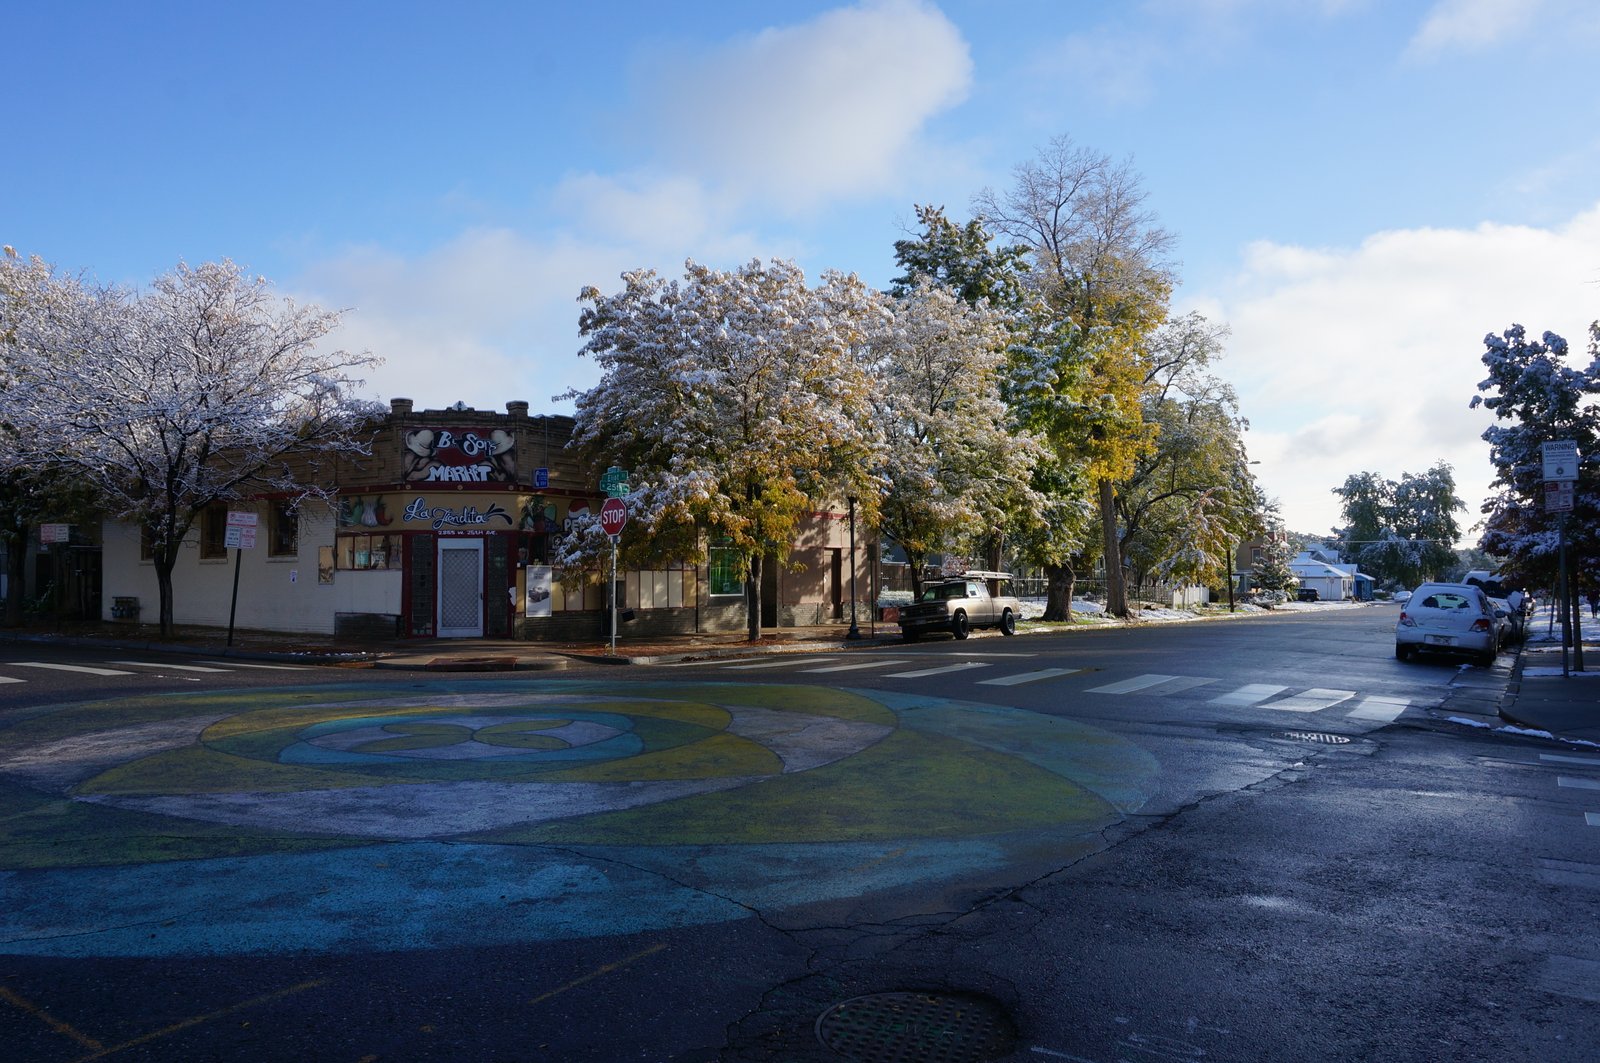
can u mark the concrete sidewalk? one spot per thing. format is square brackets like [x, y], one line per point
[1542, 699]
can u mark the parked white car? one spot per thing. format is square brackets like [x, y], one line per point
[1448, 618]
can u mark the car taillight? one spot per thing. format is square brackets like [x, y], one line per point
[1405, 619]
[1480, 625]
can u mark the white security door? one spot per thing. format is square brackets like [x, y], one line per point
[460, 588]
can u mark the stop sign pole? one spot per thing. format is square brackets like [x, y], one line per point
[613, 516]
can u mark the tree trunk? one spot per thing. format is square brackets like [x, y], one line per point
[164, 565]
[1059, 581]
[1116, 592]
[16, 567]
[914, 569]
[752, 599]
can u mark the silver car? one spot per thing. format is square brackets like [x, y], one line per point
[1455, 618]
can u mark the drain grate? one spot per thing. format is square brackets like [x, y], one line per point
[1316, 736]
[917, 1028]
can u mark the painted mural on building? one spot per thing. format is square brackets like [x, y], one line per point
[459, 455]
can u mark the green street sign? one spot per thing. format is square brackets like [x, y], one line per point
[614, 482]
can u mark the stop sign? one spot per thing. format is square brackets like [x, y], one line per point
[613, 515]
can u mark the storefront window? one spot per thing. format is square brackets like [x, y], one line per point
[360, 552]
[214, 530]
[283, 530]
[726, 569]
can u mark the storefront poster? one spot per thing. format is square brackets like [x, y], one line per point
[539, 586]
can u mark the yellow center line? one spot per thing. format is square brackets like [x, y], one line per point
[198, 1019]
[49, 1020]
[597, 972]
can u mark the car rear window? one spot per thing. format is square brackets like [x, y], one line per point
[1447, 600]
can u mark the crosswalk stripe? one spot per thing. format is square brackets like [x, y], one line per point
[853, 667]
[1378, 707]
[1026, 677]
[174, 667]
[1182, 683]
[1128, 686]
[85, 669]
[1562, 759]
[1592, 818]
[1312, 700]
[781, 663]
[11, 679]
[267, 667]
[938, 671]
[1577, 784]
[1249, 694]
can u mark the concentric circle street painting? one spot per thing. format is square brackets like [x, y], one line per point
[390, 816]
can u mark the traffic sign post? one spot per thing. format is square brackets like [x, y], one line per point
[1560, 460]
[613, 517]
[239, 534]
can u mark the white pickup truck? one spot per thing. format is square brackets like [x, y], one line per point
[958, 605]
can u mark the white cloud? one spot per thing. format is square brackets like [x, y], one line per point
[800, 115]
[485, 319]
[1366, 359]
[1471, 25]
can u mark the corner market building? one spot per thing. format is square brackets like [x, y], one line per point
[446, 531]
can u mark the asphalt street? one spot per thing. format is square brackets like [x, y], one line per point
[1254, 839]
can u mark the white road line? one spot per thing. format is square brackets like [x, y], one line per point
[782, 663]
[267, 667]
[937, 671]
[1021, 655]
[1559, 758]
[174, 667]
[1592, 818]
[1577, 784]
[1026, 677]
[1182, 683]
[1249, 694]
[854, 667]
[1312, 700]
[1128, 686]
[10, 679]
[85, 669]
[1378, 707]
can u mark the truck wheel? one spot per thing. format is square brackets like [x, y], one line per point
[908, 634]
[1008, 623]
[958, 624]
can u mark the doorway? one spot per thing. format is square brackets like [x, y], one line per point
[460, 588]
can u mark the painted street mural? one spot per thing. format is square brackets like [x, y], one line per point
[406, 815]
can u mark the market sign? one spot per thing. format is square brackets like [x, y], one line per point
[459, 455]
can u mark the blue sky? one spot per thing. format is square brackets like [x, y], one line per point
[1360, 189]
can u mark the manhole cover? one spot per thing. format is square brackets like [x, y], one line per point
[917, 1028]
[1316, 736]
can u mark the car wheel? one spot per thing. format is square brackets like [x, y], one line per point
[1008, 623]
[1402, 652]
[1486, 659]
[958, 624]
[908, 634]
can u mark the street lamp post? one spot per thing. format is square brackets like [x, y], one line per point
[855, 631]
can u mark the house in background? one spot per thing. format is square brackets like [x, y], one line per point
[1331, 582]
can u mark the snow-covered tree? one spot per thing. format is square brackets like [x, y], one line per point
[739, 400]
[30, 497]
[1271, 571]
[1098, 264]
[1537, 397]
[1191, 497]
[204, 388]
[1401, 531]
[954, 465]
